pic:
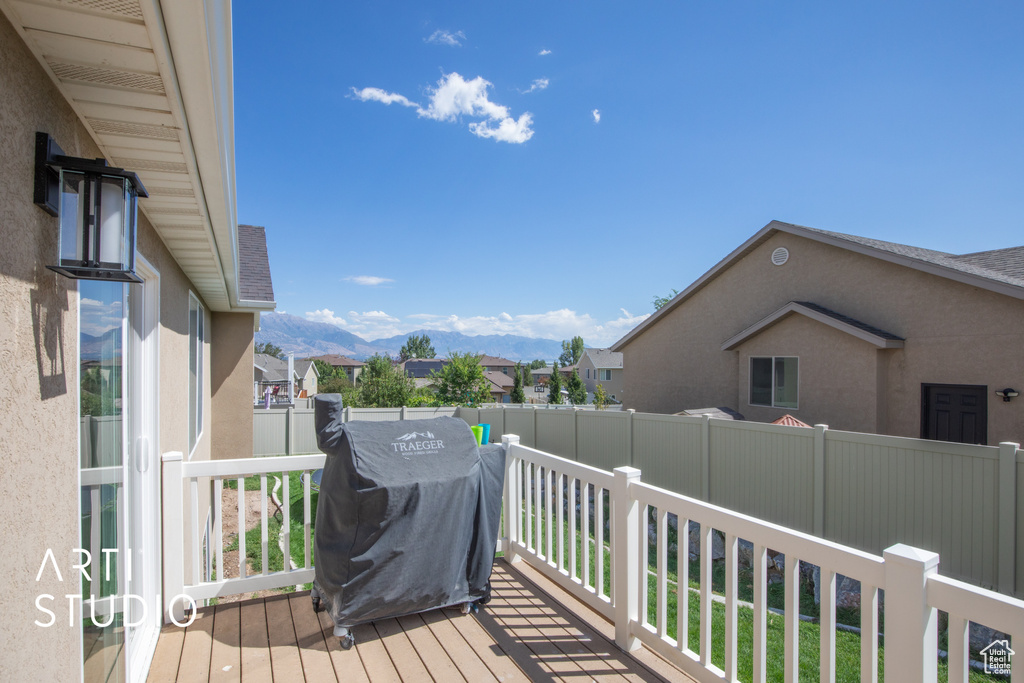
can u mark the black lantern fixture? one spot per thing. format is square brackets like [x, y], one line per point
[97, 205]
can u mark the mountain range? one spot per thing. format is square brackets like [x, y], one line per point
[307, 338]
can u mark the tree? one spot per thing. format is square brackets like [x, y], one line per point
[555, 386]
[333, 385]
[600, 397]
[325, 371]
[660, 301]
[416, 347]
[572, 351]
[527, 376]
[577, 390]
[383, 384]
[537, 364]
[268, 348]
[517, 387]
[461, 381]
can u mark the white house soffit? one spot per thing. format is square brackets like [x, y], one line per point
[112, 62]
[795, 308]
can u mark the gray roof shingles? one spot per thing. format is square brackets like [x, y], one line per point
[254, 283]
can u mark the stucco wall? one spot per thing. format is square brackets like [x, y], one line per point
[39, 377]
[955, 333]
[232, 377]
[837, 375]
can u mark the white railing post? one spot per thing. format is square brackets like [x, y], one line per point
[512, 500]
[819, 480]
[911, 626]
[626, 556]
[173, 536]
[629, 436]
[1006, 527]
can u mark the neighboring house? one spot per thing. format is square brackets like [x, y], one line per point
[853, 332]
[352, 368]
[495, 364]
[272, 371]
[542, 375]
[500, 386]
[604, 367]
[419, 368]
[107, 377]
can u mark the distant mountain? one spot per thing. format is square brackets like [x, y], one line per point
[101, 347]
[307, 338]
[508, 346]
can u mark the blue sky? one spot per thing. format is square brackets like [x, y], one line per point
[547, 168]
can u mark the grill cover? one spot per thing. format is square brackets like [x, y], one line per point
[407, 518]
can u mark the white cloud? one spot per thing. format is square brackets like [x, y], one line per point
[544, 52]
[538, 84]
[378, 95]
[326, 315]
[455, 97]
[368, 280]
[442, 37]
[99, 317]
[597, 116]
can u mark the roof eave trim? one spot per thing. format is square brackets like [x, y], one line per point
[792, 307]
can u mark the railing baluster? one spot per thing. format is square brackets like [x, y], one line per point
[527, 494]
[549, 483]
[585, 528]
[958, 652]
[538, 513]
[645, 554]
[218, 528]
[683, 588]
[760, 645]
[661, 612]
[286, 525]
[241, 528]
[869, 634]
[827, 627]
[307, 517]
[791, 661]
[572, 527]
[265, 538]
[599, 542]
[197, 555]
[560, 514]
[706, 544]
[731, 587]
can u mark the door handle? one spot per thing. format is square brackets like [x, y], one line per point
[142, 455]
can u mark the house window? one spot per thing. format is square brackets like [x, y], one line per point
[605, 375]
[195, 371]
[774, 382]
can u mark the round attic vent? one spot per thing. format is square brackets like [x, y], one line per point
[780, 256]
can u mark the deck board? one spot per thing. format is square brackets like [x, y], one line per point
[225, 658]
[531, 631]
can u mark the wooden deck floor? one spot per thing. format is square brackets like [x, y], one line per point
[531, 631]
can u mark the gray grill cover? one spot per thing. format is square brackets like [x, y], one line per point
[408, 514]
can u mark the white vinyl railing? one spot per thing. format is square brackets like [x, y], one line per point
[549, 524]
[183, 482]
[536, 483]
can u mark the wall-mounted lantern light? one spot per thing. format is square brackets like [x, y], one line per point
[1007, 393]
[97, 206]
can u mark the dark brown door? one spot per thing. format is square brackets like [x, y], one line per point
[953, 412]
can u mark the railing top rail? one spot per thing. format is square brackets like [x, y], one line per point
[979, 605]
[97, 476]
[570, 467]
[909, 443]
[241, 467]
[856, 563]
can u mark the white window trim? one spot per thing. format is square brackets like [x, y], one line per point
[200, 343]
[750, 379]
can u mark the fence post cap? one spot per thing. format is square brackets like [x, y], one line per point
[821, 426]
[627, 472]
[171, 456]
[909, 555]
[1010, 444]
[509, 439]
